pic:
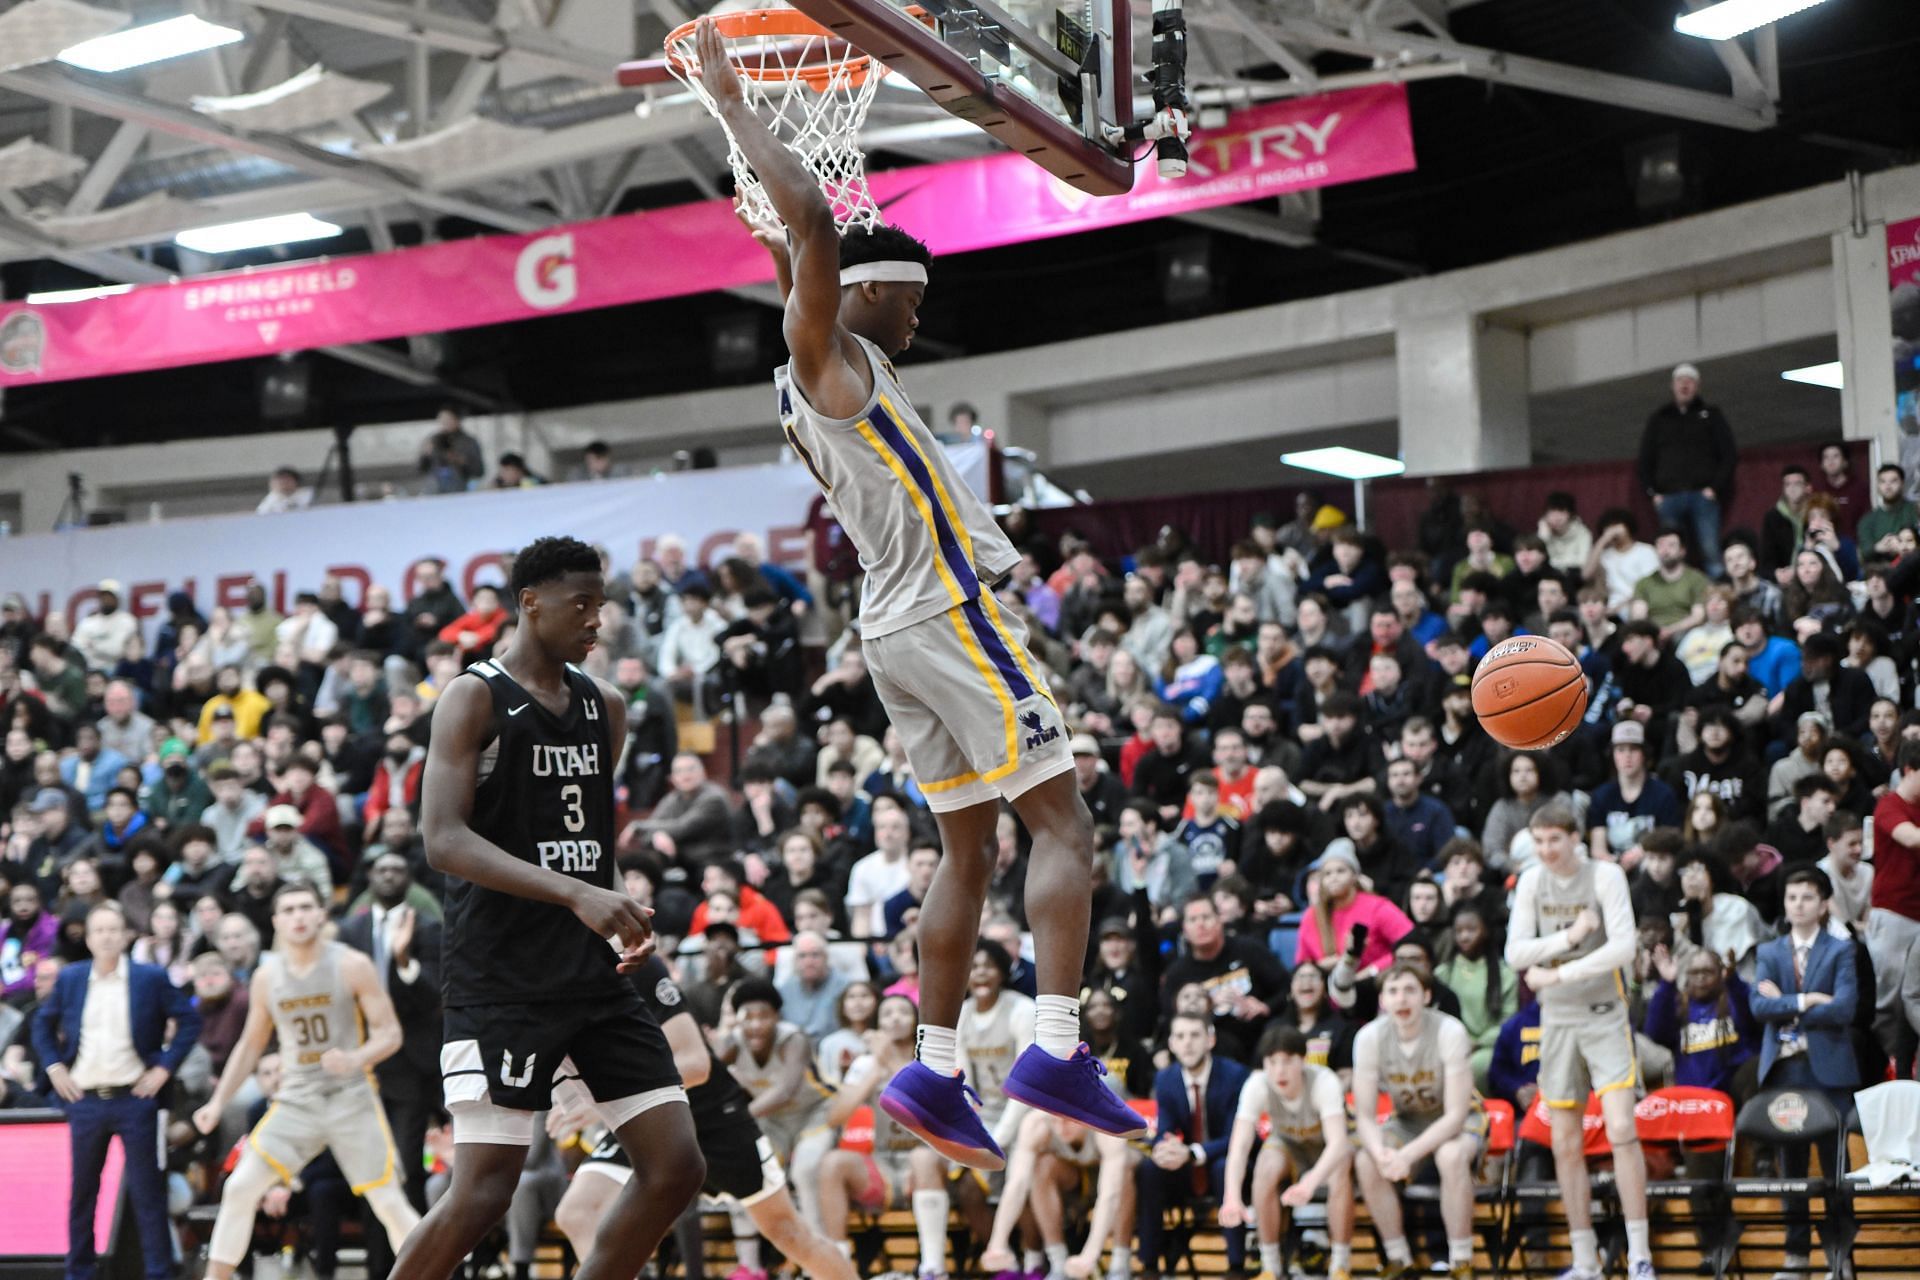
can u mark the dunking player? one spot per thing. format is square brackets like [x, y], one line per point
[317, 995]
[1572, 935]
[518, 813]
[740, 1159]
[951, 669]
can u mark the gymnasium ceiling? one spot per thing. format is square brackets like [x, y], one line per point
[1531, 120]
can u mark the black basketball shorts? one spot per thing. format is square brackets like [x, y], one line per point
[513, 1055]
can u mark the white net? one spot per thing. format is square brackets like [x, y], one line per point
[811, 89]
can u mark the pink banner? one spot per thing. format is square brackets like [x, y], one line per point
[955, 207]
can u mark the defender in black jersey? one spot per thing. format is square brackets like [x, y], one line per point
[518, 814]
[740, 1161]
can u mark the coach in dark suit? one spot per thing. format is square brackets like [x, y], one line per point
[1190, 1147]
[405, 948]
[102, 1035]
[1805, 998]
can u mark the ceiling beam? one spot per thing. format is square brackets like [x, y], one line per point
[101, 99]
[472, 83]
[339, 196]
[1266, 42]
[438, 30]
[1747, 83]
[264, 43]
[107, 168]
[1530, 73]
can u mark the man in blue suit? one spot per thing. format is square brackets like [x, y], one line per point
[1805, 999]
[102, 1035]
[1196, 1096]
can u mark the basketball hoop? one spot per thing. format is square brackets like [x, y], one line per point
[811, 88]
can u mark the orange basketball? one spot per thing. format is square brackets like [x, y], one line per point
[1529, 692]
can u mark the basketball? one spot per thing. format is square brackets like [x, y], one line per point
[1529, 693]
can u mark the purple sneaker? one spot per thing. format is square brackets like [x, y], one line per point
[1071, 1088]
[941, 1112]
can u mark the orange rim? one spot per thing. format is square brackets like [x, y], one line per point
[839, 61]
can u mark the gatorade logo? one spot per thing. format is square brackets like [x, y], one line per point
[545, 275]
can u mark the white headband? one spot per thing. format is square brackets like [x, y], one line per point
[894, 272]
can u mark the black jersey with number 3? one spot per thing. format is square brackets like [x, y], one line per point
[545, 795]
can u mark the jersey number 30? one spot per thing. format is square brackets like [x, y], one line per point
[576, 817]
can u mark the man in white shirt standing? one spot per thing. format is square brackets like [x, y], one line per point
[102, 1035]
[1572, 936]
[880, 874]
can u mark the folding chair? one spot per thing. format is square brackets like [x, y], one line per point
[1782, 1118]
[1883, 1195]
[1692, 1121]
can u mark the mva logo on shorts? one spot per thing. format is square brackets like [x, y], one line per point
[1041, 733]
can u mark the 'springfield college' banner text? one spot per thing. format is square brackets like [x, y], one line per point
[955, 207]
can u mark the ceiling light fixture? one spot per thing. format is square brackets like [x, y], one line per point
[257, 233]
[1348, 464]
[1818, 375]
[155, 42]
[76, 295]
[1730, 18]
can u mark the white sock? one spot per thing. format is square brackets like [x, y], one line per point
[1460, 1252]
[1056, 1259]
[1396, 1250]
[938, 1048]
[1270, 1259]
[1120, 1258]
[1030, 1260]
[1638, 1246]
[845, 1247]
[1056, 1025]
[930, 1210]
[1586, 1249]
[1342, 1258]
[747, 1250]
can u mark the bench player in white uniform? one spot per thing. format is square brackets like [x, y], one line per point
[951, 668]
[1422, 1060]
[899, 1171]
[315, 995]
[1051, 1158]
[995, 1028]
[1307, 1148]
[773, 1061]
[1572, 937]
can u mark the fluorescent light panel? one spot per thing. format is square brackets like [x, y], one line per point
[1817, 375]
[77, 295]
[288, 228]
[1730, 18]
[155, 42]
[1348, 464]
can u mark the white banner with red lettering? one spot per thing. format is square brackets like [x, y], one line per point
[214, 559]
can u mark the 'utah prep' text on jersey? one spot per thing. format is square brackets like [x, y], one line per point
[545, 795]
[925, 541]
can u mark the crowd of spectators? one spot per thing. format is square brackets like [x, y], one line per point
[1275, 739]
